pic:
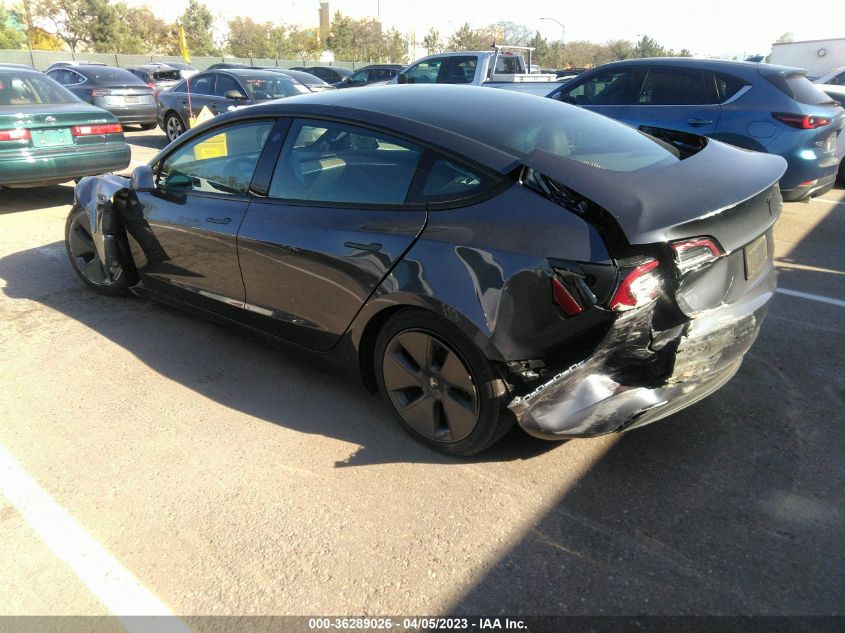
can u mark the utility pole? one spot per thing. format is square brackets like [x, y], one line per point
[562, 29]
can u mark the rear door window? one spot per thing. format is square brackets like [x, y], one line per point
[448, 180]
[677, 86]
[324, 161]
[728, 86]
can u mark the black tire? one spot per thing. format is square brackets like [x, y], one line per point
[840, 176]
[432, 386]
[85, 261]
[173, 126]
[147, 126]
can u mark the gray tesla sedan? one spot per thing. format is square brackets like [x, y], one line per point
[480, 257]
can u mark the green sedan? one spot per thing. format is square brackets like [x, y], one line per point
[48, 136]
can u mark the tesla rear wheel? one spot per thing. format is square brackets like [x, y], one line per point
[439, 384]
[173, 126]
[105, 279]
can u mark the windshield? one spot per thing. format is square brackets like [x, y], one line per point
[262, 88]
[18, 89]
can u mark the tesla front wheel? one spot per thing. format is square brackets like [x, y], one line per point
[438, 383]
[82, 252]
[173, 126]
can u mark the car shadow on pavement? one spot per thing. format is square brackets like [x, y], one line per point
[29, 199]
[280, 384]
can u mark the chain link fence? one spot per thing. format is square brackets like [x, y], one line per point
[40, 60]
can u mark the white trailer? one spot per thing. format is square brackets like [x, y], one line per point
[817, 57]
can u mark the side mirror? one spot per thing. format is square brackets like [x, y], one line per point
[402, 78]
[234, 95]
[142, 179]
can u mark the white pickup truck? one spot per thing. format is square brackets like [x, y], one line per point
[477, 68]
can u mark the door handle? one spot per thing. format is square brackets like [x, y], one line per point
[219, 220]
[363, 247]
[698, 121]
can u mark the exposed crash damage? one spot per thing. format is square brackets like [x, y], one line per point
[570, 274]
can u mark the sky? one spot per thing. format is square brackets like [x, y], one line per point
[715, 28]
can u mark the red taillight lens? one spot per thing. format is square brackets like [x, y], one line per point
[801, 121]
[564, 299]
[640, 287]
[696, 253]
[99, 92]
[90, 130]
[15, 135]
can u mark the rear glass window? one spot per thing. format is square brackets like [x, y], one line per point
[572, 134]
[804, 91]
[111, 75]
[167, 75]
[17, 89]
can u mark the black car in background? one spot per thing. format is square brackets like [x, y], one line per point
[221, 91]
[120, 92]
[370, 75]
[479, 256]
[329, 74]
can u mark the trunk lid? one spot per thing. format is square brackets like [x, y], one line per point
[50, 125]
[713, 192]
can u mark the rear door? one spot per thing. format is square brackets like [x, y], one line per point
[334, 223]
[683, 99]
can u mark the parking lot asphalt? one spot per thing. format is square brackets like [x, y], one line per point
[215, 475]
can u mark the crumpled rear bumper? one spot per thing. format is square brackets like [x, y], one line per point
[607, 392]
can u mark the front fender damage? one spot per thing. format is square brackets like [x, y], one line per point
[96, 195]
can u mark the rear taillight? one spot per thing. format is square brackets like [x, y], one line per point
[99, 92]
[639, 287]
[15, 134]
[802, 121]
[90, 130]
[695, 253]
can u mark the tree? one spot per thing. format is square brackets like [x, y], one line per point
[199, 29]
[139, 31]
[647, 47]
[12, 34]
[511, 33]
[394, 48]
[302, 44]
[789, 36]
[619, 49]
[79, 23]
[41, 40]
[432, 42]
[469, 39]
[357, 40]
[250, 39]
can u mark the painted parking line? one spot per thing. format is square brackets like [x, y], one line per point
[116, 587]
[811, 297]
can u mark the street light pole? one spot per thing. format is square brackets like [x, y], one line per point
[562, 29]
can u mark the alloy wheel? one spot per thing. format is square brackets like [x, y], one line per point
[85, 256]
[173, 127]
[430, 386]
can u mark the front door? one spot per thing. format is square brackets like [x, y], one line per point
[183, 234]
